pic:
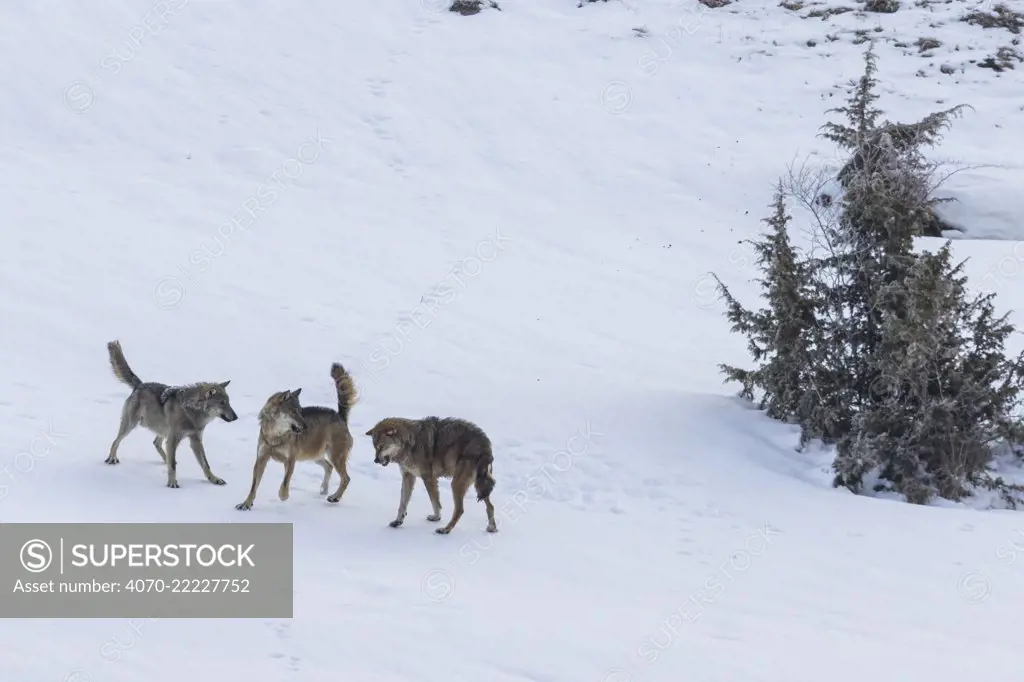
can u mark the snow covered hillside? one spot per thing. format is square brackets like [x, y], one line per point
[507, 217]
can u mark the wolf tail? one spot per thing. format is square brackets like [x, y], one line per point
[484, 477]
[347, 393]
[120, 366]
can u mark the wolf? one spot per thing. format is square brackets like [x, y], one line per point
[433, 448]
[173, 413]
[291, 433]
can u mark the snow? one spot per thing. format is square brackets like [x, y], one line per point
[510, 218]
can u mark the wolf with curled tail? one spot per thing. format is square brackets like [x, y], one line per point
[291, 433]
[173, 413]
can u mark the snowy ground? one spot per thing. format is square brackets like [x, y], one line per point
[579, 181]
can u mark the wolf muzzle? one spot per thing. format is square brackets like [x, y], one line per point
[382, 460]
[229, 415]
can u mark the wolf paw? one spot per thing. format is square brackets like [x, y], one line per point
[173, 484]
[442, 531]
[244, 506]
[217, 481]
[492, 529]
[396, 523]
[112, 460]
[434, 518]
[333, 499]
[283, 495]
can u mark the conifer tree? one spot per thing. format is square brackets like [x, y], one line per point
[957, 396]
[873, 347]
[777, 334]
[886, 203]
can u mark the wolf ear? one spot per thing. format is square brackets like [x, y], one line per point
[225, 384]
[296, 392]
[369, 433]
[390, 432]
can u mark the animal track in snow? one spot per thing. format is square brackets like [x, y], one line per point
[284, 633]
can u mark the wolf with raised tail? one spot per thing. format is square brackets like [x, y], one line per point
[173, 413]
[291, 433]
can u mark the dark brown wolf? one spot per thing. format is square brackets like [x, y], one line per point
[434, 448]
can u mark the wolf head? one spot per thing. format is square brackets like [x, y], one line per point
[213, 401]
[282, 413]
[388, 441]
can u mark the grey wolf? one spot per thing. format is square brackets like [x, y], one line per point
[290, 433]
[434, 448]
[173, 413]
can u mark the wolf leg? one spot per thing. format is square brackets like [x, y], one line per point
[408, 481]
[460, 484]
[257, 475]
[435, 498]
[157, 443]
[196, 442]
[172, 459]
[339, 460]
[328, 468]
[289, 469]
[129, 420]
